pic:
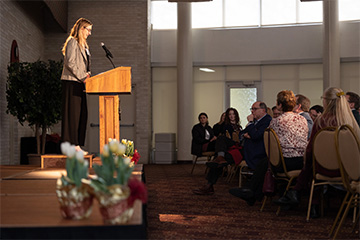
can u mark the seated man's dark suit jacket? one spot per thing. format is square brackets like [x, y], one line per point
[254, 149]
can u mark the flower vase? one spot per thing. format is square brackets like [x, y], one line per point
[114, 206]
[75, 202]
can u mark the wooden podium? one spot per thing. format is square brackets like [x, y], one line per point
[108, 86]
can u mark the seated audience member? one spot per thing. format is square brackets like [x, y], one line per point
[292, 131]
[315, 111]
[227, 149]
[203, 139]
[218, 127]
[302, 108]
[253, 134]
[336, 113]
[354, 103]
[276, 112]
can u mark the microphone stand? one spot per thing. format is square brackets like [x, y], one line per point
[108, 56]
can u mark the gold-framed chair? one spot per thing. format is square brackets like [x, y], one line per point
[205, 155]
[348, 153]
[324, 155]
[276, 159]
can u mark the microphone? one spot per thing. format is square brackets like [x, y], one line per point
[108, 53]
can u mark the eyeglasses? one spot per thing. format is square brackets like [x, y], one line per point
[89, 30]
[254, 109]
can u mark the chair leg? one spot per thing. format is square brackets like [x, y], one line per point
[207, 159]
[339, 213]
[240, 177]
[356, 223]
[344, 216]
[194, 165]
[263, 204]
[310, 200]
[278, 211]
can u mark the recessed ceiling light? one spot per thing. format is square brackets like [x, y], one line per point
[207, 70]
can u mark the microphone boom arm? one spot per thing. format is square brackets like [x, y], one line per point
[107, 55]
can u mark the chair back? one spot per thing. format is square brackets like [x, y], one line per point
[324, 150]
[348, 148]
[272, 147]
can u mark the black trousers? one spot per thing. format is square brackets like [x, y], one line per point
[74, 112]
[214, 173]
[223, 143]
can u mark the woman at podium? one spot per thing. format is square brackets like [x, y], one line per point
[75, 72]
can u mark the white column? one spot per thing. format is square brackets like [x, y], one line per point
[184, 82]
[331, 48]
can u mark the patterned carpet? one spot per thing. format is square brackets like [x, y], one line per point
[174, 212]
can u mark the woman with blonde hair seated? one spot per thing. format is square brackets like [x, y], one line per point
[336, 113]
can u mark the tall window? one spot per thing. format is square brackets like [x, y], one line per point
[163, 15]
[241, 13]
[349, 10]
[207, 14]
[245, 13]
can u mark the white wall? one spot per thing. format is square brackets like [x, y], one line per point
[279, 58]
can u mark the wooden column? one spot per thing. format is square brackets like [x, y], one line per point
[109, 119]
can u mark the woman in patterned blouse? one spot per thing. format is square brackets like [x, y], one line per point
[292, 130]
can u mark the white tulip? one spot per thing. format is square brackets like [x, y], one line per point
[127, 160]
[113, 145]
[71, 151]
[80, 156]
[65, 147]
[106, 151]
[121, 149]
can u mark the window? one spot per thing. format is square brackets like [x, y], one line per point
[163, 15]
[310, 12]
[207, 14]
[278, 12]
[349, 10]
[244, 13]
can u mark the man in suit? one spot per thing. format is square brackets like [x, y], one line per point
[259, 120]
[253, 149]
[354, 103]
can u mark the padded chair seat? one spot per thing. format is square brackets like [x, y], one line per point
[294, 173]
[326, 178]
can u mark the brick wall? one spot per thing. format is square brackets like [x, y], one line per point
[15, 25]
[122, 24]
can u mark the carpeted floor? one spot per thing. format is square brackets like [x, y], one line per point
[174, 212]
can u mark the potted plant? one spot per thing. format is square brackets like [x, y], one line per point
[33, 95]
[74, 198]
[113, 187]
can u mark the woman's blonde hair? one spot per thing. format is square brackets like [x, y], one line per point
[337, 107]
[77, 34]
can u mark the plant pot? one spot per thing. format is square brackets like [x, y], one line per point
[75, 202]
[114, 206]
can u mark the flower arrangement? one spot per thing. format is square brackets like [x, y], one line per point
[130, 152]
[112, 185]
[75, 201]
[115, 168]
